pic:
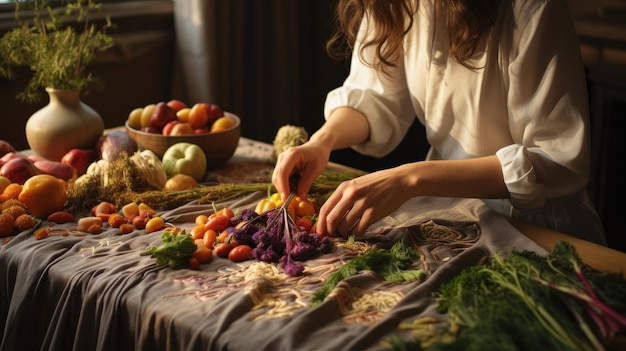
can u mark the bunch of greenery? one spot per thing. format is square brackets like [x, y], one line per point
[55, 43]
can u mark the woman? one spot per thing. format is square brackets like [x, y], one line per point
[500, 88]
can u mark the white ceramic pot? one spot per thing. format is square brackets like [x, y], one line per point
[64, 124]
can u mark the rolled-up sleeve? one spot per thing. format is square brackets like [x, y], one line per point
[548, 112]
[383, 99]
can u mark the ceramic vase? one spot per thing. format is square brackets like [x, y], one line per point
[65, 123]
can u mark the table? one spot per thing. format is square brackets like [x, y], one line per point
[95, 292]
[597, 256]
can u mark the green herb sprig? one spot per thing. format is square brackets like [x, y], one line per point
[392, 264]
[176, 250]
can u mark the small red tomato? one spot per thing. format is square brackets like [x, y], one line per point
[194, 263]
[217, 223]
[240, 253]
[139, 222]
[222, 250]
[224, 211]
[304, 223]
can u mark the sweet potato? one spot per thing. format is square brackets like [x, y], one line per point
[57, 169]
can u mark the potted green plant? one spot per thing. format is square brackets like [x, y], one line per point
[57, 44]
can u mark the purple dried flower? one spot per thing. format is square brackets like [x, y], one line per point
[293, 269]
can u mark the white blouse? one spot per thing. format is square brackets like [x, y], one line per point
[527, 104]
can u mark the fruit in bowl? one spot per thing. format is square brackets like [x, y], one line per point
[218, 135]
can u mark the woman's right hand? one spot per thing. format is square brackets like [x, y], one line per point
[307, 161]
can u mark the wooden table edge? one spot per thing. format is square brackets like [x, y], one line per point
[597, 256]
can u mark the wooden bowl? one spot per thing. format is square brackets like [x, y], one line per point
[218, 147]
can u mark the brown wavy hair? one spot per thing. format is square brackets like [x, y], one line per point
[467, 21]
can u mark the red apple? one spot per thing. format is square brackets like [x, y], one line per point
[201, 130]
[162, 115]
[80, 159]
[153, 130]
[214, 111]
[19, 169]
[10, 156]
[167, 129]
[182, 129]
[6, 147]
[176, 104]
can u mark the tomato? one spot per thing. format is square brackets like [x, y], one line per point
[217, 223]
[240, 253]
[222, 249]
[209, 238]
[224, 237]
[201, 219]
[203, 254]
[197, 232]
[139, 222]
[305, 209]
[224, 211]
[43, 195]
[305, 223]
[194, 263]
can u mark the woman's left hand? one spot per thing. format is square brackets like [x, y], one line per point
[358, 203]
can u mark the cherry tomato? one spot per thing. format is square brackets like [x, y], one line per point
[218, 223]
[203, 254]
[240, 253]
[197, 232]
[209, 239]
[222, 249]
[194, 263]
[305, 223]
[201, 219]
[224, 211]
[305, 208]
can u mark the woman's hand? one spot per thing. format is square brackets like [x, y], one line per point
[307, 161]
[360, 202]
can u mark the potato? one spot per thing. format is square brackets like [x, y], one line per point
[180, 182]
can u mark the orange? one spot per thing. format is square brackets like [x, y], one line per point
[43, 195]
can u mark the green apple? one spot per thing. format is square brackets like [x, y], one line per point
[185, 158]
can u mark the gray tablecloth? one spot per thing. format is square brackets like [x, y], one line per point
[95, 292]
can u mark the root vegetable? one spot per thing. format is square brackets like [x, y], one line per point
[85, 223]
